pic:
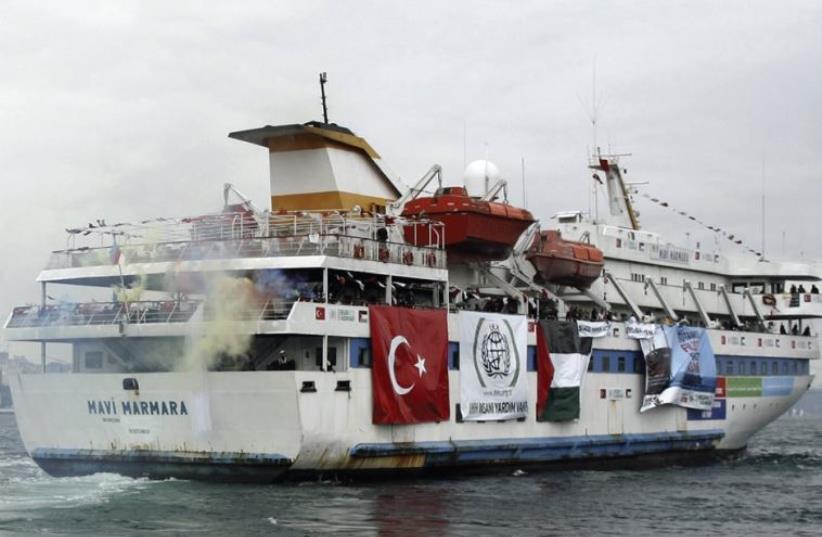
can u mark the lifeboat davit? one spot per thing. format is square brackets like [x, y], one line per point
[474, 229]
[565, 262]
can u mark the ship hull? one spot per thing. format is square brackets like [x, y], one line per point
[228, 468]
[263, 427]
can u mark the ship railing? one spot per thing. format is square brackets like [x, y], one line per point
[338, 245]
[102, 313]
[142, 312]
[230, 226]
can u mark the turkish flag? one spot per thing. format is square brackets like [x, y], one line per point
[409, 372]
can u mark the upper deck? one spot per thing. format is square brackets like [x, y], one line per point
[101, 255]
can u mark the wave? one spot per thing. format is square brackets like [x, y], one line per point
[41, 491]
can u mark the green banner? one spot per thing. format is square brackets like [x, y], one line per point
[743, 386]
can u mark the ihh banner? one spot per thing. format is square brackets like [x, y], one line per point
[493, 366]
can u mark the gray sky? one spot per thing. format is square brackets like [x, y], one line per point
[121, 110]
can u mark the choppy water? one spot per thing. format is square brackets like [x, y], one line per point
[774, 488]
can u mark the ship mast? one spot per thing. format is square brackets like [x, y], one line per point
[323, 80]
[619, 199]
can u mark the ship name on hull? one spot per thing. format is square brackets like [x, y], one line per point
[137, 408]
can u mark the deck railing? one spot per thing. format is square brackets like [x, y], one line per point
[288, 235]
[138, 313]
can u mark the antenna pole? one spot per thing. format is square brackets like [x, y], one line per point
[524, 192]
[763, 207]
[323, 80]
[594, 102]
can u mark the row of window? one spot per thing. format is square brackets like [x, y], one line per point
[761, 366]
[663, 280]
[625, 362]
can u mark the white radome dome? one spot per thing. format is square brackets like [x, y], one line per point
[479, 176]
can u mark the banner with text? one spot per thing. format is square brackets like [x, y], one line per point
[493, 353]
[680, 368]
[593, 329]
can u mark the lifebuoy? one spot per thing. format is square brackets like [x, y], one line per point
[408, 257]
[769, 300]
[359, 251]
[383, 255]
[431, 259]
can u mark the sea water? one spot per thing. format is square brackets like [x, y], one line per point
[774, 488]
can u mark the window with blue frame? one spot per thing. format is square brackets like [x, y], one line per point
[453, 355]
[360, 352]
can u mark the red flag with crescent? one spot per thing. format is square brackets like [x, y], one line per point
[409, 371]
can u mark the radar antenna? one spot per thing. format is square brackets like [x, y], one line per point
[323, 80]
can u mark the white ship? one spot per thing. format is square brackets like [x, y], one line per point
[238, 345]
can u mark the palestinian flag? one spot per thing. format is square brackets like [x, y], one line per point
[562, 359]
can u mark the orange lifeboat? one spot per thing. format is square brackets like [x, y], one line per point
[474, 229]
[564, 262]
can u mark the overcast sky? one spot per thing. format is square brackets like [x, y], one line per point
[120, 110]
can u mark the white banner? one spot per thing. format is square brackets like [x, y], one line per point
[640, 331]
[493, 366]
[593, 329]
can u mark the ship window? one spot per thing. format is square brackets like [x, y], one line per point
[454, 355]
[729, 367]
[700, 285]
[621, 364]
[606, 363]
[663, 280]
[332, 356]
[795, 367]
[738, 288]
[774, 368]
[364, 357]
[753, 367]
[531, 362]
[785, 368]
[742, 368]
[757, 288]
[713, 286]
[637, 364]
[94, 360]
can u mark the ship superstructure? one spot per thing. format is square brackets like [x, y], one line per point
[245, 344]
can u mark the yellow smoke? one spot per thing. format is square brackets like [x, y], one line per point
[133, 293]
[229, 300]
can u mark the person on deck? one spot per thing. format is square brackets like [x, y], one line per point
[283, 363]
